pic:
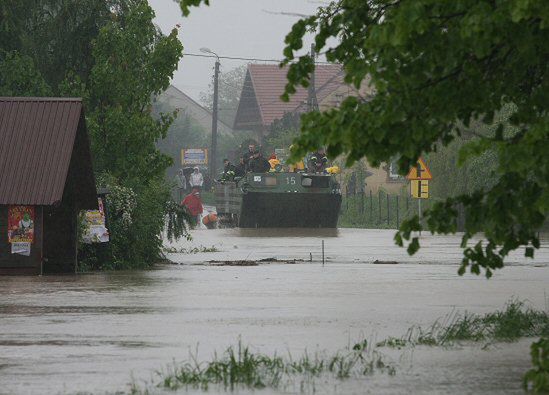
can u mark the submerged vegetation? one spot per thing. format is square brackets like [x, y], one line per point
[190, 250]
[240, 367]
[514, 322]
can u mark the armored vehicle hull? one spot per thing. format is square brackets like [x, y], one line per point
[279, 200]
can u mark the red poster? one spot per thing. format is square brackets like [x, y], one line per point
[21, 224]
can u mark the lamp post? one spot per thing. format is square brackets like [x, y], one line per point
[213, 148]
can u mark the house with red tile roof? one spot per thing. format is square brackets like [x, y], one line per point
[260, 102]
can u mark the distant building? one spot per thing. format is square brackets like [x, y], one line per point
[260, 105]
[260, 102]
[46, 178]
[191, 129]
[198, 113]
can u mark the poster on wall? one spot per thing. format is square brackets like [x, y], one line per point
[95, 230]
[21, 224]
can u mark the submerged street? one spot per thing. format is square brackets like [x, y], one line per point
[96, 333]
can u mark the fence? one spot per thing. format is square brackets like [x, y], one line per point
[381, 210]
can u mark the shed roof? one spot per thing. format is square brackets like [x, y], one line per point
[37, 139]
[263, 86]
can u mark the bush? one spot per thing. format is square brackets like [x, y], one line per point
[136, 217]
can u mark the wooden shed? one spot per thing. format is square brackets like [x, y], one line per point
[46, 178]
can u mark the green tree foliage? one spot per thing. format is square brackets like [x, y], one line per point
[230, 88]
[283, 131]
[56, 34]
[19, 76]
[132, 62]
[537, 378]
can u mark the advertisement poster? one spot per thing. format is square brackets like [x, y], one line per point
[21, 224]
[194, 156]
[95, 230]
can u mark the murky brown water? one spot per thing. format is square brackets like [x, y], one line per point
[92, 333]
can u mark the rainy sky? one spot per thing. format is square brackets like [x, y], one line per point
[240, 28]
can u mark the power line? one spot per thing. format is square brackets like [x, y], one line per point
[232, 57]
[242, 58]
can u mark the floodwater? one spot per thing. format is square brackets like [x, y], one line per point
[96, 333]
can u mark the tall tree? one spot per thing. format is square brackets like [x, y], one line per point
[56, 34]
[133, 61]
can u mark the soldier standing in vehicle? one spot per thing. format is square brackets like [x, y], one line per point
[240, 170]
[318, 161]
[228, 170]
[252, 151]
[258, 164]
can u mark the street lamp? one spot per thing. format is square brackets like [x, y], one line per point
[213, 148]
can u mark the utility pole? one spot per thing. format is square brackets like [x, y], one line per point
[312, 102]
[213, 147]
[213, 150]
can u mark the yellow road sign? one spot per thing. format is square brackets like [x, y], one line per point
[419, 189]
[420, 172]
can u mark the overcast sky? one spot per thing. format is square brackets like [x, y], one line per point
[242, 28]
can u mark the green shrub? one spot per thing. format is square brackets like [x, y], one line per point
[537, 378]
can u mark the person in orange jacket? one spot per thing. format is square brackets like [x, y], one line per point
[275, 163]
[193, 204]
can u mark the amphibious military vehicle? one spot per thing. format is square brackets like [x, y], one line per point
[279, 200]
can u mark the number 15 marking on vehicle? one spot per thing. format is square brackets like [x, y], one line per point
[290, 180]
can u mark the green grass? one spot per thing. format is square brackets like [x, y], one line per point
[516, 321]
[239, 367]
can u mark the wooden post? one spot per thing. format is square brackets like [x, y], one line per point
[322, 252]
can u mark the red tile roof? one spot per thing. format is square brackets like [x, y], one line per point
[37, 139]
[266, 83]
